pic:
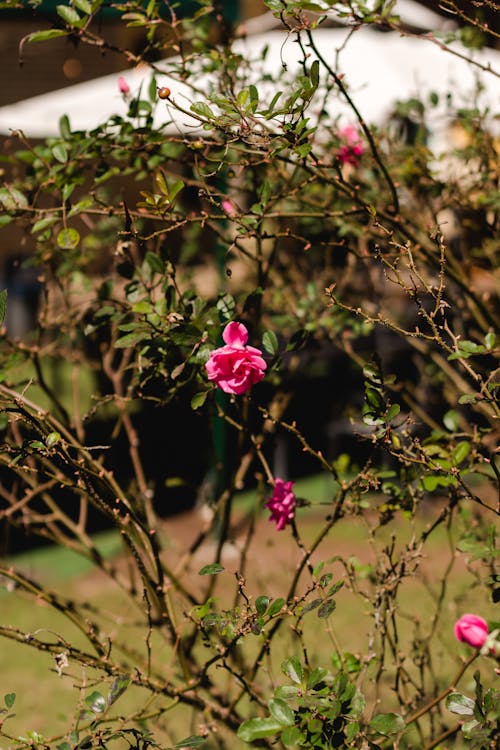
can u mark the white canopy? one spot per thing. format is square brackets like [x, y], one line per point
[378, 68]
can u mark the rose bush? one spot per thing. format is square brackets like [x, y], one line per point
[372, 291]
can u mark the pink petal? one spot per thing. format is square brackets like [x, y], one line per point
[235, 334]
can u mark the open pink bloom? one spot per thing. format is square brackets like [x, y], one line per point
[471, 629]
[282, 504]
[352, 148]
[236, 367]
[123, 86]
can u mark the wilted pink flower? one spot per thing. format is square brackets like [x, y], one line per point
[352, 147]
[236, 367]
[123, 86]
[282, 504]
[471, 629]
[228, 207]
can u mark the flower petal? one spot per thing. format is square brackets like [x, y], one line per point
[235, 334]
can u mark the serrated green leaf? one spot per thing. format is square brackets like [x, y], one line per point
[211, 570]
[256, 729]
[460, 704]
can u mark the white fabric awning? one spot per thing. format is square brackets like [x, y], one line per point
[378, 68]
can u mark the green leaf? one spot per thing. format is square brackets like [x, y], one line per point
[392, 412]
[60, 152]
[43, 36]
[3, 305]
[270, 342]
[202, 109]
[317, 675]
[293, 669]
[460, 704]
[68, 239]
[256, 729]
[131, 339]
[461, 452]
[292, 736]
[12, 199]
[118, 687]
[282, 712]
[52, 439]
[327, 608]
[387, 724]
[261, 604]
[199, 399]
[68, 14]
[96, 702]
[84, 6]
[275, 607]
[433, 481]
[9, 699]
[42, 224]
[211, 570]
[490, 340]
[195, 740]
[450, 420]
[154, 262]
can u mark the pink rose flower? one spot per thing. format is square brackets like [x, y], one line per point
[352, 148]
[282, 504]
[236, 367]
[123, 86]
[471, 629]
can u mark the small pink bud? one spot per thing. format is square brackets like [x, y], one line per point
[471, 629]
[228, 207]
[123, 86]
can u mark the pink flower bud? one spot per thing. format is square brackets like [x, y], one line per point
[228, 207]
[123, 86]
[471, 629]
[282, 504]
[236, 367]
